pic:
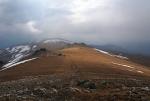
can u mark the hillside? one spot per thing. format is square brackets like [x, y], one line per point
[81, 70]
[82, 59]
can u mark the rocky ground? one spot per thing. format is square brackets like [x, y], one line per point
[70, 88]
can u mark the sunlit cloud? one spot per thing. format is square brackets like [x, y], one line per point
[31, 26]
[82, 9]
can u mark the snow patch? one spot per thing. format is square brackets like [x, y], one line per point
[52, 41]
[133, 68]
[140, 72]
[107, 53]
[123, 65]
[9, 65]
[18, 53]
[20, 49]
[104, 52]
[25, 49]
[119, 56]
[35, 46]
[75, 89]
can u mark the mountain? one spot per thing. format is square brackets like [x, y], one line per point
[14, 54]
[60, 70]
[54, 44]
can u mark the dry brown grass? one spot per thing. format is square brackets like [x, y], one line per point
[82, 60]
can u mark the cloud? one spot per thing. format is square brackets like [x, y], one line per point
[31, 27]
[91, 21]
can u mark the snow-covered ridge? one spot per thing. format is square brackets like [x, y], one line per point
[107, 53]
[21, 49]
[51, 41]
[56, 40]
[17, 53]
[12, 55]
[9, 65]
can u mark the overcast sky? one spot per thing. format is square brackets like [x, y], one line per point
[91, 21]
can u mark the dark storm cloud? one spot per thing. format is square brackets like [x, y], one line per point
[92, 21]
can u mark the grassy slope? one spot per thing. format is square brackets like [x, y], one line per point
[82, 60]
